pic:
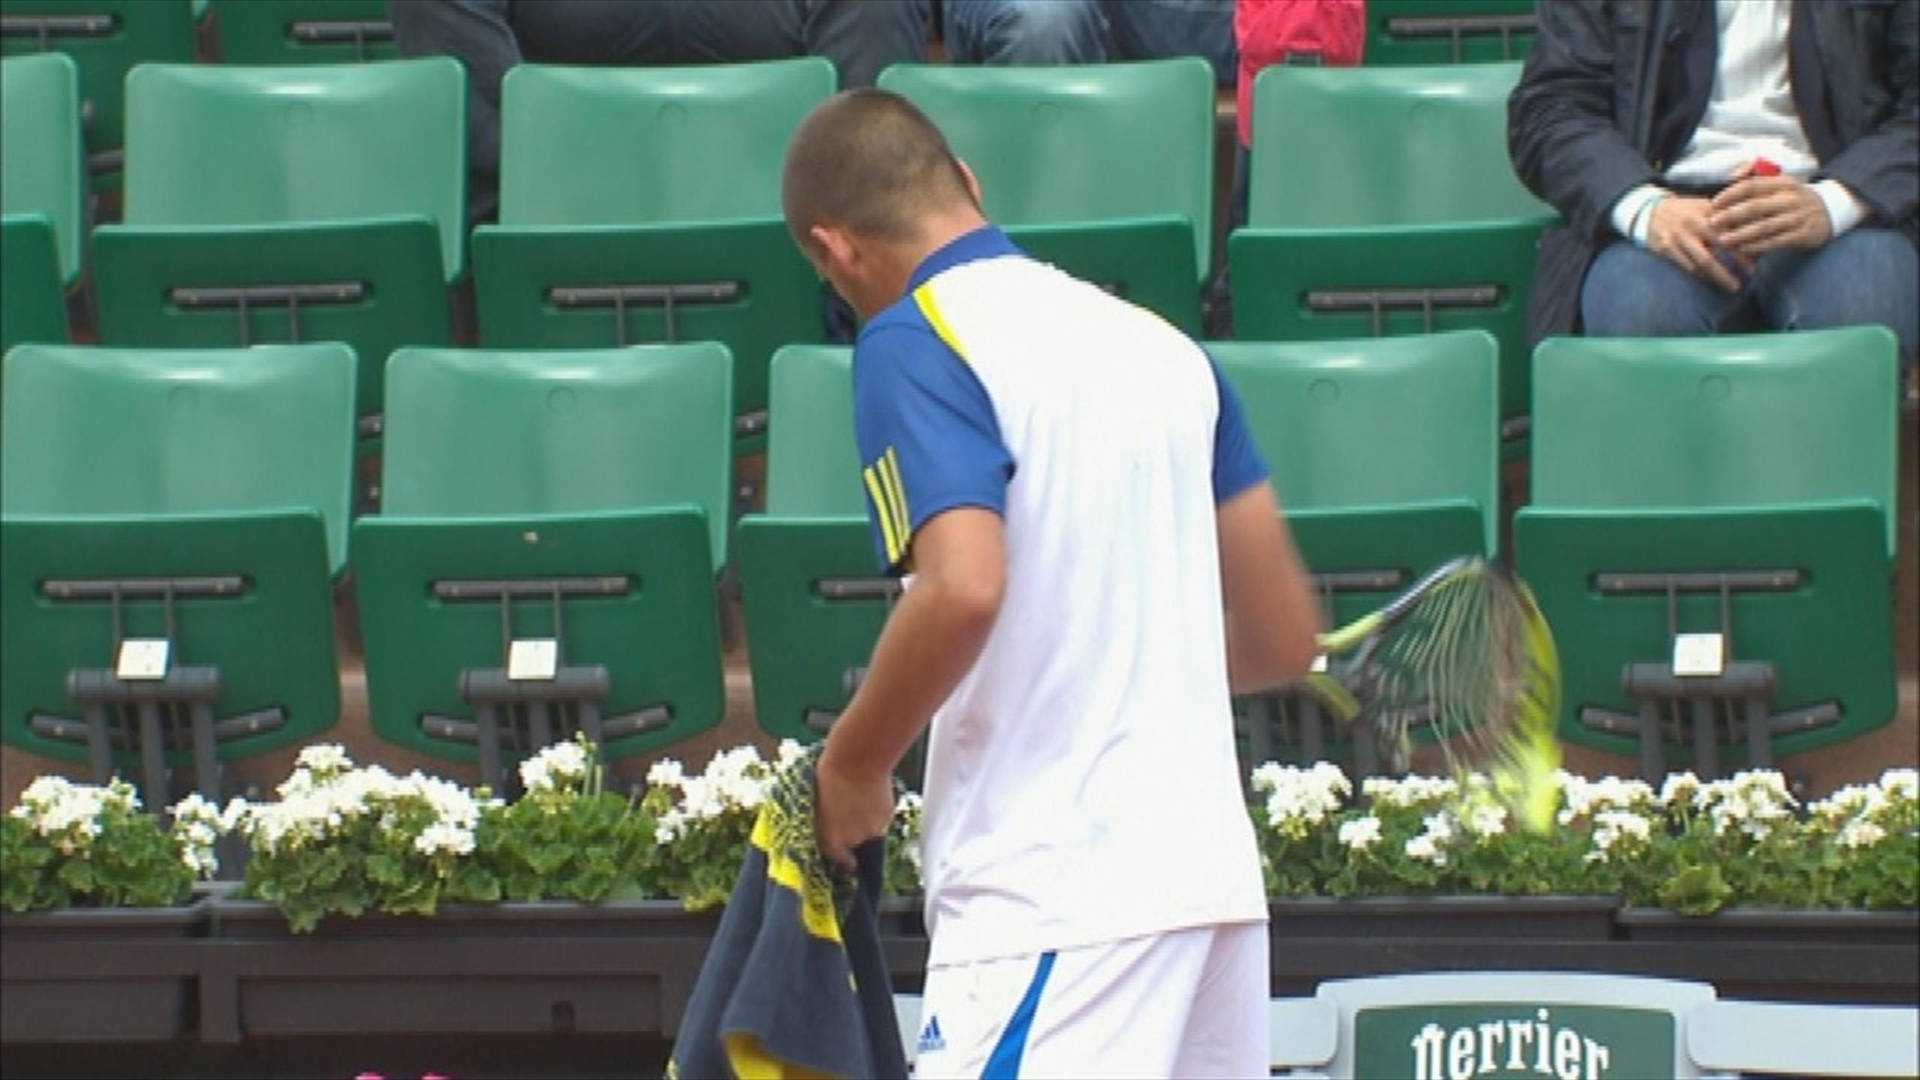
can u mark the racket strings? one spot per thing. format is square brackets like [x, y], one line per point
[1467, 659]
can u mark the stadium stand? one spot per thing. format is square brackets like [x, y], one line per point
[1448, 31]
[1390, 468]
[605, 240]
[1381, 202]
[1711, 537]
[814, 603]
[1105, 170]
[303, 31]
[173, 521]
[545, 556]
[312, 203]
[42, 196]
[105, 38]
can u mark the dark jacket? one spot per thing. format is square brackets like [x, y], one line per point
[1583, 131]
[795, 982]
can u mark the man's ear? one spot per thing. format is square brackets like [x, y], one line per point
[831, 245]
[973, 184]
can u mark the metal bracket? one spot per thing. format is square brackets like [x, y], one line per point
[1459, 27]
[242, 298]
[534, 711]
[665, 297]
[360, 32]
[149, 715]
[1381, 301]
[43, 28]
[1683, 701]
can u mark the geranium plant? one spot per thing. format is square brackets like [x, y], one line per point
[568, 837]
[346, 840]
[84, 845]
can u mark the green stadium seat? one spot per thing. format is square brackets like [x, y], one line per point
[814, 602]
[304, 31]
[171, 522]
[322, 202]
[545, 557]
[643, 204]
[1711, 538]
[1382, 202]
[105, 38]
[1385, 459]
[41, 166]
[1105, 170]
[33, 306]
[1447, 31]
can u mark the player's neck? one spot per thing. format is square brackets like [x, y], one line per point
[936, 231]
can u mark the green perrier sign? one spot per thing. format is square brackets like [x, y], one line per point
[1511, 1040]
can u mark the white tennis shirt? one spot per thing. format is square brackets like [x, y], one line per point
[1082, 785]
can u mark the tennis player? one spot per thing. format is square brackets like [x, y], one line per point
[1071, 491]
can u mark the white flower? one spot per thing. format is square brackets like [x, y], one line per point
[560, 765]
[667, 772]
[1298, 799]
[1486, 820]
[1860, 834]
[1361, 833]
[442, 838]
[1612, 826]
[1425, 848]
[1409, 791]
[788, 752]
[1678, 788]
[324, 759]
[1901, 783]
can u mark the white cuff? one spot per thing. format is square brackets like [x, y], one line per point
[1843, 210]
[1629, 207]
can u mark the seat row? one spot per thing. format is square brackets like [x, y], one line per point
[326, 203]
[555, 523]
[106, 38]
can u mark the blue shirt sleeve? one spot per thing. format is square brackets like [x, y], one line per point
[1237, 464]
[929, 439]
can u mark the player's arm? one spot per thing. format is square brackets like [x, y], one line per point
[1273, 620]
[931, 640]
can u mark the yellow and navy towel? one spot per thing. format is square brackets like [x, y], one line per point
[794, 983]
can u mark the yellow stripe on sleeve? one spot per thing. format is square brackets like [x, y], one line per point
[923, 299]
[882, 512]
[890, 479]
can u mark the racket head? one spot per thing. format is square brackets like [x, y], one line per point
[1467, 651]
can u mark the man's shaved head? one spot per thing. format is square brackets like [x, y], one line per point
[869, 162]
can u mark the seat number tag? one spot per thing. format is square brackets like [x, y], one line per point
[1699, 654]
[533, 660]
[142, 659]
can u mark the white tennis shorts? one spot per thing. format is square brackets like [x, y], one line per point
[1190, 1004]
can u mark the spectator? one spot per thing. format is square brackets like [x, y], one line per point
[490, 36]
[1675, 226]
[1090, 31]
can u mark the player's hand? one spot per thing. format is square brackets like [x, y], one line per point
[1756, 214]
[1681, 233]
[849, 809]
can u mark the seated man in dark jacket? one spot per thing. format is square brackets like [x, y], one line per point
[1761, 173]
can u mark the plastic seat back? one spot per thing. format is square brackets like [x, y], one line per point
[604, 146]
[483, 433]
[42, 170]
[1078, 143]
[214, 146]
[1384, 146]
[168, 432]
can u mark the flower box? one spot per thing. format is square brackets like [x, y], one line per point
[621, 967]
[1811, 927]
[98, 974]
[1559, 918]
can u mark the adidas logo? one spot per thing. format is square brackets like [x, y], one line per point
[931, 1040]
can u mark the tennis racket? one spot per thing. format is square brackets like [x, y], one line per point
[1466, 651]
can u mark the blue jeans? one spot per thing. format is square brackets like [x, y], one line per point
[490, 36]
[1091, 31]
[1868, 275]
